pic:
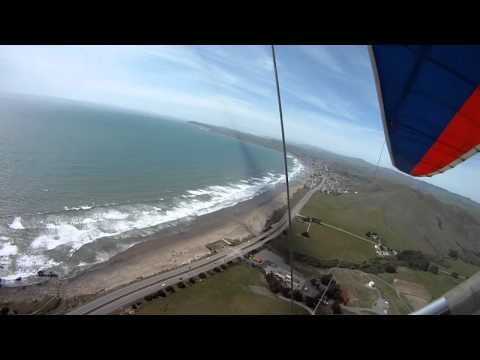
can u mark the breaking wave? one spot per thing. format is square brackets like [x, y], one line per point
[73, 208]
[17, 224]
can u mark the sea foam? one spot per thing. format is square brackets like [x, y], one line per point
[28, 265]
[8, 249]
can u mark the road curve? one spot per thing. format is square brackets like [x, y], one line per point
[132, 293]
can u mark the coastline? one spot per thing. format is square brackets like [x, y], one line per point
[159, 252]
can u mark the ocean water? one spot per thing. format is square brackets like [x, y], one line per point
[80, 183]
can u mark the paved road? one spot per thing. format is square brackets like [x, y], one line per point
[136, 291]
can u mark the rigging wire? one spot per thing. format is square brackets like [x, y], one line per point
[378, 162]
[374, 181]
[289, 237]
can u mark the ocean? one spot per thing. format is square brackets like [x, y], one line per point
[80, 183]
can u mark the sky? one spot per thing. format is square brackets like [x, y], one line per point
[328, 92]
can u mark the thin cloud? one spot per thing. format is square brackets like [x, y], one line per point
[324, 56]
[328, 91]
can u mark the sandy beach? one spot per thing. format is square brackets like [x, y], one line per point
[159, 252]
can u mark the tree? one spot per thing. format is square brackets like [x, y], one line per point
[161, 293]
[453, 254]
[310, 302]
[273, 283]
[286, 292]
[414, 259]
[333, 291]
[336, 308]
[275, 287]
[389, 268]
[297, 295]
[325, 279]
[433, 269]
[337, 294]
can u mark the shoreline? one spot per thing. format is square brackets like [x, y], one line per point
[162, 251]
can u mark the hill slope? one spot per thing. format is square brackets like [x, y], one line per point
[409, 213]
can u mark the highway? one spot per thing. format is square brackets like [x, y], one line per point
[127, 295]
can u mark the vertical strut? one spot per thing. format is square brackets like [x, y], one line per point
[289, 236]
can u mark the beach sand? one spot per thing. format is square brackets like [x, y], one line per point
[159, 252]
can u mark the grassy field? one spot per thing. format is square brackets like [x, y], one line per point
[461, 267]
[325, 243]
[436, 284]
[358, 213]
[240, 290]
[405, 218]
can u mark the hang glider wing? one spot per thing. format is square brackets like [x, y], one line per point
[430, 102]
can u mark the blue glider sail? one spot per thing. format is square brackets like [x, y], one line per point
[430, 102]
